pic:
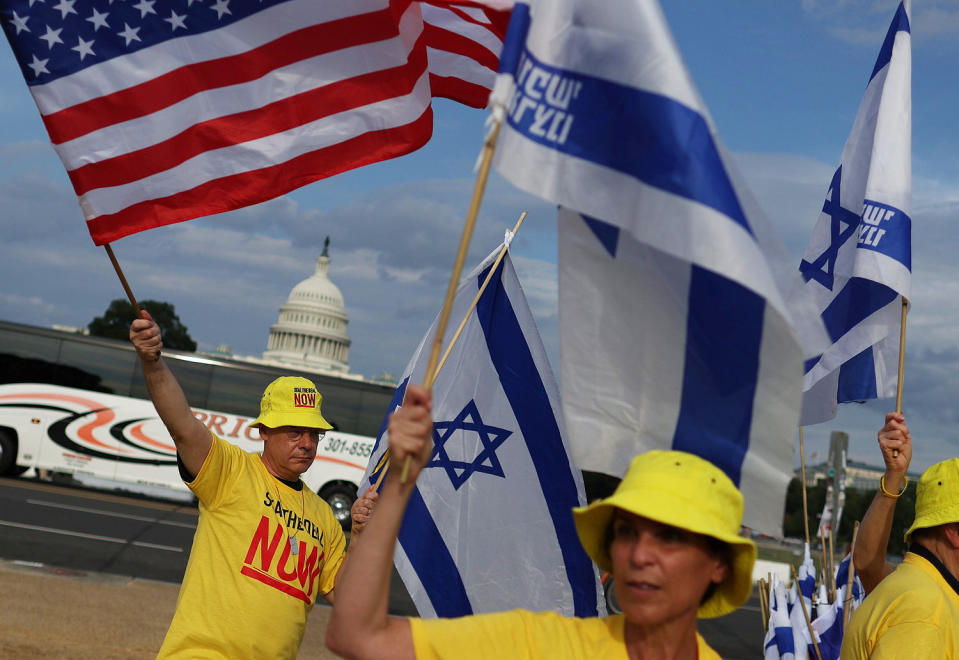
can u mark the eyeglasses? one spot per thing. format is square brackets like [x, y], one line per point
[294, 433]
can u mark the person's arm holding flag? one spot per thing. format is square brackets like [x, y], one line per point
[192, 439]
[869, 558]
[360, 626]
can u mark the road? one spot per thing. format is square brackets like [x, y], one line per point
[83, 530]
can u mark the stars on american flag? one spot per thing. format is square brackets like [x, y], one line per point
[129, 34]
[176, 20]
[52, 38]
[99, 20]
[19, 23]
[83, 47]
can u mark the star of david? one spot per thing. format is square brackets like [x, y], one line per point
[491, 437]
[843, 225]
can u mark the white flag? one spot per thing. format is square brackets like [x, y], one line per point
[673, 325]
[859, 261]
[489, 526]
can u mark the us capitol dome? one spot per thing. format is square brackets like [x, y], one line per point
[311, 328]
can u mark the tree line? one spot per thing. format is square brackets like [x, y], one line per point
[857, 501]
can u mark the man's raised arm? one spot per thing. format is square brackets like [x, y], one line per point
[872, 543]
[191, 437]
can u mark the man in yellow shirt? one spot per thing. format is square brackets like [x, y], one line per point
[914, 611]
[265, 544]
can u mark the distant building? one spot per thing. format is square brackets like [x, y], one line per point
[71, 329]
[858, 475]
[311, 329]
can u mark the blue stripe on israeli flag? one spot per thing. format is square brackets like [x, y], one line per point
[431, 559]
[530, 402]
[516, 32]
[900, 23]
[648, 136]
[855, 302]
[724, 327]
[660, 353]
[857, 378]
[886, 230]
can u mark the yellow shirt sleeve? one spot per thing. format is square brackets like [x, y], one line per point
[335, 549]
[219, 468]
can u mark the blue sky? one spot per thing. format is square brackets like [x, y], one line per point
[782, 80]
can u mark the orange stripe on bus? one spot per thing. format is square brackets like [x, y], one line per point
[85, 432]
[340, 461]
[137, 432]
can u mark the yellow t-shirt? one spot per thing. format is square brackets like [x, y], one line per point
[245, 593]
[913, 613]
[524, 634]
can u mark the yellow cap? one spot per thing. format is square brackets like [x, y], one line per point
[291, 401]
[937, 496]
[685, 491]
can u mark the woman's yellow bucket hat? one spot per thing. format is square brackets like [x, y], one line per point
[685, 491]
[937, 496]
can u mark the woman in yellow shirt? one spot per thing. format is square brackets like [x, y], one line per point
[669, 535]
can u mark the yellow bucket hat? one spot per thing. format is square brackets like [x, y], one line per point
[685, 491]
[291, 401]
[937, 496]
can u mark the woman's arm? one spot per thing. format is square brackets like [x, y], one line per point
[360, 626]
[872, 543]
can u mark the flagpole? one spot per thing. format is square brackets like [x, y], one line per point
[802, 463]
[123, 280]
[802, 601]
[459, 330]
[486, 161]
[476, 299]
[825, 556]
[763, 604]
[849, 578]
[832, 564]
[902, 360]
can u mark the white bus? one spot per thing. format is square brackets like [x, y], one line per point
[78, 406]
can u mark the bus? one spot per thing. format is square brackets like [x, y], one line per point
[77, 406]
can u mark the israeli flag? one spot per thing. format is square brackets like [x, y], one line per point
[489, 526]
[829, 617]
[778, 643]
[674, 331]
[858, 264]
[807, 578]
[802, 640]
[828, 628]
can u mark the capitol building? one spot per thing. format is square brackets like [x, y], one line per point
[311, 328]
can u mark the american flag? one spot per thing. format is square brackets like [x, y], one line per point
[168, 110]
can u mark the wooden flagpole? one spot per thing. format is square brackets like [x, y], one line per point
[902, 360]
[126, 288]
[832, 567]
[123, 280]
[763, 603]
[486, 161]
[805, 613]
[459, 330]
[802, 464]
[476, 299]
[849, 578]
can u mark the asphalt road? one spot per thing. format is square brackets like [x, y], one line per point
[83, 530]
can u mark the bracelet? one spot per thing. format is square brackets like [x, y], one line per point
[895, 496]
